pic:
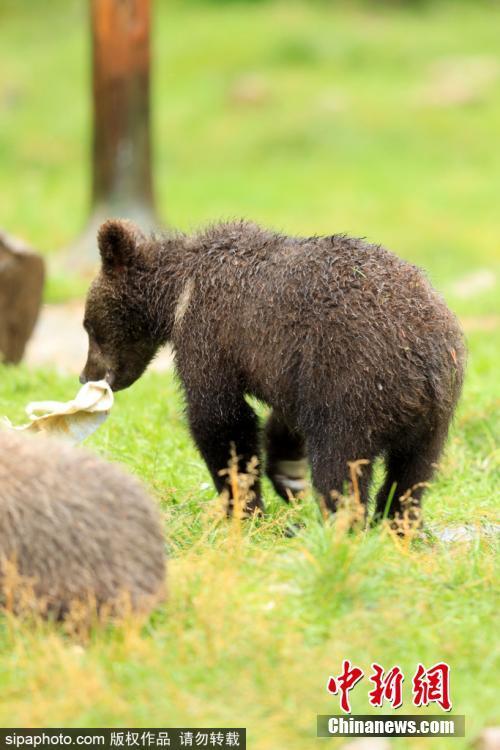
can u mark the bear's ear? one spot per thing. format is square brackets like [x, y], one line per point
[117, 240]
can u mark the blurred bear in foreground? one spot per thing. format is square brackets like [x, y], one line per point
[352, 348]
[74, 530]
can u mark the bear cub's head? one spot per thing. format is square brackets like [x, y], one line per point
[121, 342]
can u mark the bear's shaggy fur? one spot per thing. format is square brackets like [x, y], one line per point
[76, 529]
[351, 347]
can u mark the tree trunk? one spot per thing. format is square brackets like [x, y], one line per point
[122, 148]
[122, 184]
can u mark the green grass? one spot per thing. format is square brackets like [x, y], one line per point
[255, 624]
[342, 135]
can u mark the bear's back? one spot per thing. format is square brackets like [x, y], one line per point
[250, 273]
[287, 310]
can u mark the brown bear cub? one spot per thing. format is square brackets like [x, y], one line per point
[350, 346]
[74, 529]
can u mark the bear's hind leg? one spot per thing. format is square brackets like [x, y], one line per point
[409, 468]
[331, 471]
[286, 462]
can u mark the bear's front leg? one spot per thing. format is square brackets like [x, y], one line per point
[218, 425]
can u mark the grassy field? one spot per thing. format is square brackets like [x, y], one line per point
[310, 117]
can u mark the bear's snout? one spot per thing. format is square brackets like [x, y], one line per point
[96, 367]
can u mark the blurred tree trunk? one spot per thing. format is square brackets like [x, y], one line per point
[122, 183]
[122, 148]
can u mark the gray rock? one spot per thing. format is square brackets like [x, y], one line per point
[466, 532]
[21, 286]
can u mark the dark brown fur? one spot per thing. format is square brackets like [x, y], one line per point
[351, 347]
[78, 528]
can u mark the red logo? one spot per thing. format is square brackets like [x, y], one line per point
[432, 686]
[388, 687]
[344, 683]
[429, 685]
